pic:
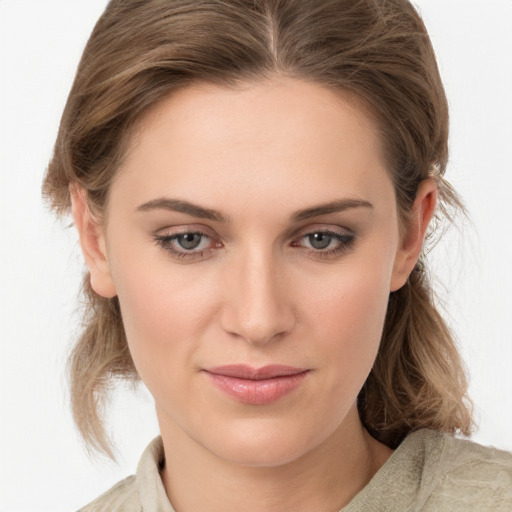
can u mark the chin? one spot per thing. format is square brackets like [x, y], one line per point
[262, 444]
[256, 455]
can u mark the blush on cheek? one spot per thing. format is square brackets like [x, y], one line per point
[354, 318]
[162, 313]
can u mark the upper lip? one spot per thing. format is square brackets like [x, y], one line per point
[242, 371]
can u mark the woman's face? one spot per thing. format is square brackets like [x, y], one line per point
[252, 240]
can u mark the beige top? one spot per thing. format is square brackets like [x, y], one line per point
[428, 472]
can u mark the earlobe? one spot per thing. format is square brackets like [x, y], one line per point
[92, 241]
[412, 242]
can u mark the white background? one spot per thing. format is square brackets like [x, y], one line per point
[42, 464]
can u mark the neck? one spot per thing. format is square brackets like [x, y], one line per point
[323, 479]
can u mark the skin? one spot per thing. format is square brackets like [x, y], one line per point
[257, 290]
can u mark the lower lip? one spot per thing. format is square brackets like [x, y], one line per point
[257, 392]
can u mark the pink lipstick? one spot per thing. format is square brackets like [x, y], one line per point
[256, 386]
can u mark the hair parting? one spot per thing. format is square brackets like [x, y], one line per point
[377, 51]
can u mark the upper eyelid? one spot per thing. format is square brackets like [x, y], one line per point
[322, 228]
[207, 231]
[337, 235]
[184, 229]
[174, 236]
[171, 231]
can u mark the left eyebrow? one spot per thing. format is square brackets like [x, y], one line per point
[337, 206]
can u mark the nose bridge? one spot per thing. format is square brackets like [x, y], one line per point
[257, 307]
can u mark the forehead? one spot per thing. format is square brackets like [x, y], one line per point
[255, 140]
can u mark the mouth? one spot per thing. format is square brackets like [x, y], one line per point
[256, 386]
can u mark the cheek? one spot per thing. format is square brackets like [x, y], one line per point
[348, 321]
[358, 313]
[164, 312]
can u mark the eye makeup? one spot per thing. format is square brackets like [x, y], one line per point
[194, 244]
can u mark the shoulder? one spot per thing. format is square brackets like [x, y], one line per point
[142, 491]
[462, 475]
[123, 497]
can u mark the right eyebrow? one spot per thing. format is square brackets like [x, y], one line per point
[178, 205]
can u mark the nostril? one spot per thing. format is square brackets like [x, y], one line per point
[258, 324]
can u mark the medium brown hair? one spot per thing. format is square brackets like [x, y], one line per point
[379, 50]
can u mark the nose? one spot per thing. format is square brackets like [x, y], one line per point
[258, 305]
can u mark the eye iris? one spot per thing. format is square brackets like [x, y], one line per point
[189, 240]
[320, 240]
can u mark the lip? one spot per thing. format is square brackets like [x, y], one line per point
[256, 386]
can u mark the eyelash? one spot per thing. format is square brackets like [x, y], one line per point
[346, 243]
[166, 242]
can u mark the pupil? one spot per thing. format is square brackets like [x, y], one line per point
[320, 240]
[189, 240]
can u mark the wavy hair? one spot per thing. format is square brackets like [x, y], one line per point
[140, 51]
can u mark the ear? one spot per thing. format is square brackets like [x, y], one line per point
[412, 242]
[93, 244]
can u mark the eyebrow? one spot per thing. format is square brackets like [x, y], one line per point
[178, 205]
[194, 210]
[337, 206]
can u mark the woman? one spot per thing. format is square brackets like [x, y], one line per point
[252, 183]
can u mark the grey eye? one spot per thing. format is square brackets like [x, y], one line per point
[320, 240]
[189, 241]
